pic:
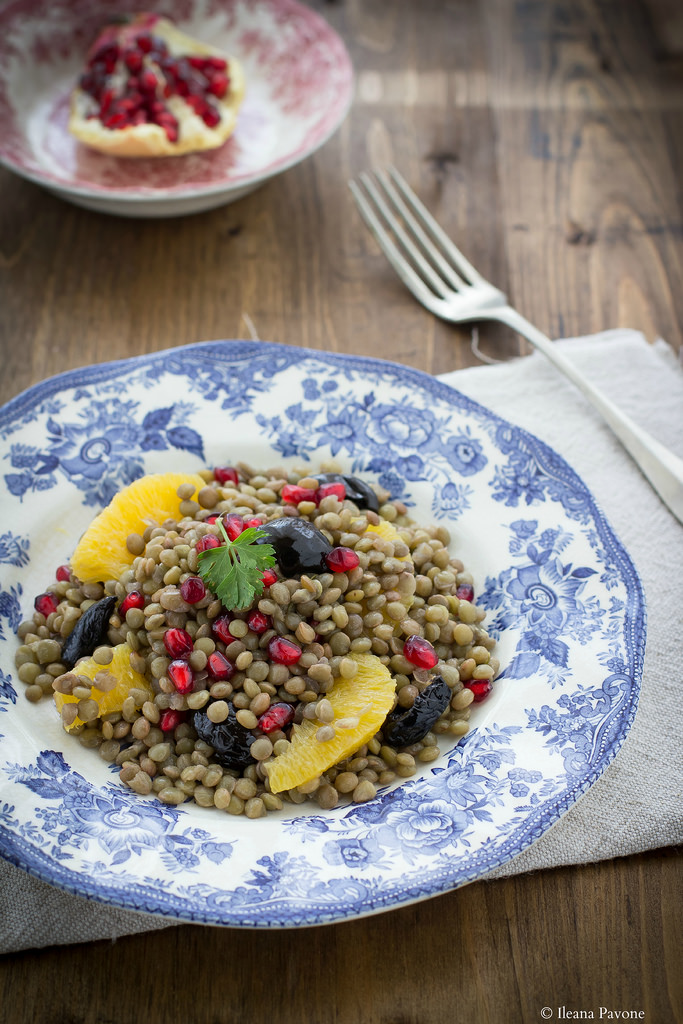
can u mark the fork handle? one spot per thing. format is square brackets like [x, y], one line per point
[662, 468]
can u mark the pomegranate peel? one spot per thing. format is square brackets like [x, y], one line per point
[151, 90]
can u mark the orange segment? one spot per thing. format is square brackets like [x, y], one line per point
[369, 697]
[108, 700]
[101, 553]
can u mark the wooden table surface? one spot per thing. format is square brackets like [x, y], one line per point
[548, 139]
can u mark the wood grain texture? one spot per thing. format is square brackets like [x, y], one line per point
[547, 137]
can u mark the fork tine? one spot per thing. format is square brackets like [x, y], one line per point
[437, 284]
[463, 264]
[386, 243]
[434, 254]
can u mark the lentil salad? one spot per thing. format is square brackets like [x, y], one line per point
[222, 692]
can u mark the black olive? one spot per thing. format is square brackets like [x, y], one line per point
[405, 726]
[299, 545]
[357, 491]
[89, 632]
[230, 740]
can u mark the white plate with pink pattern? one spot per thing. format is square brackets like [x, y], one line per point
[299, 85]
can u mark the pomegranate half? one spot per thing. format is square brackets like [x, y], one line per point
[149, 89]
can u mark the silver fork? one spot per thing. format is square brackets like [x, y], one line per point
[444, 281]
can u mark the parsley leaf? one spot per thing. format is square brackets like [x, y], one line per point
[234, 571]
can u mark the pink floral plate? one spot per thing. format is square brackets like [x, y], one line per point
[299, 89]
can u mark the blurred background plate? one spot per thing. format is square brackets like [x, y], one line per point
[299, 83]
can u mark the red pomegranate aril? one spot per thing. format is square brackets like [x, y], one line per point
[220, 669]
[181, 675]
[278, 716]
[144, 41]
[419, 652]
[171, 131]
[335, 488]
[215, 63]
[220, 628]
[178, 642]
[133, 600]
[283, 651]
[212, 518]
[46, 604]
[210, 117]
[481, 688]
[253, 521]
[226, 475]
[171, 719]
[342, 560]
[106, 101]
[133, 60]
[148, 81]
[63, 574]
[293, 494]
[269, 577]
[209, 540]
[258, 622]
[192, 590]
[234, 525]
[465, 592]
[218, 86]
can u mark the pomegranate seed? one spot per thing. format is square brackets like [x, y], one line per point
[178, 642]
[212, 519]
[144, 41]
[334, 487]
[211, 117]
[465, 592]
[341, 560]
[420, 652]
[216, 63]
[171, 131]
[106, 101]
[196, 62]
[481, 688]
[192, 589]
[258, 622]
[253, 521]
[293, 494]
[208, 541]
[133, 600]
[46, 604]
[220, 628]
[63, 574]
[218, 86]
[115, 121]
[276, 717]
[234, 525]
[226, 475]
[181, 675]
[218, 667]
[133, 60]
[283, 652]
[269, 577]
[170, 719]
[148, 81]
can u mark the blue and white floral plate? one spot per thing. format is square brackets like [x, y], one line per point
[563, 598]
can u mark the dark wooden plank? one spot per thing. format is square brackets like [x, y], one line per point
[604, 935]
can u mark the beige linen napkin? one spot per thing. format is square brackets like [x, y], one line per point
[637, 804]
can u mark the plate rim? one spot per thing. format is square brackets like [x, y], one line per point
[546, 816]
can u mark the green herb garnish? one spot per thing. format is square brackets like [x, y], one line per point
[234, 571]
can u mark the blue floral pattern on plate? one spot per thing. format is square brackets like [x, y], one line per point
[562, 598]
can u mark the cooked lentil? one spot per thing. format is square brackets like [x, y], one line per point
[400, 588]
